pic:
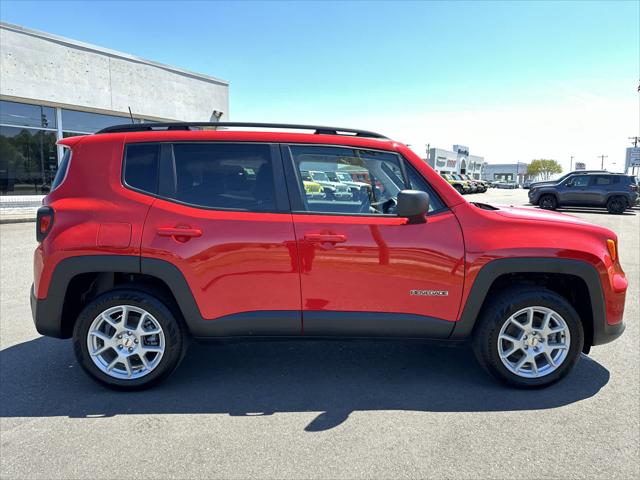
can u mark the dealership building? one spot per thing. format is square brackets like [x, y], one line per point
[457, 160]
[53, 87]
[506, 172]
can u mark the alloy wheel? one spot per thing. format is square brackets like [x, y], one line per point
[547, 202]
[534, 342]
[126, 342]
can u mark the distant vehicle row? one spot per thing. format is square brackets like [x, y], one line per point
[333, 185]
[465, 184]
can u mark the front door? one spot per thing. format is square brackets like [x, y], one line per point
[364, 270]
[574, 191]
[222, 218]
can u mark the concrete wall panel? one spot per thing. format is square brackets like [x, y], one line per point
[38, 67]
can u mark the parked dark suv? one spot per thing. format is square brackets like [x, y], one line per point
[615, 191]
[154, 234]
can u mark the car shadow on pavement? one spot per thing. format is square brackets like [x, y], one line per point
[630, 212]
[40, 378]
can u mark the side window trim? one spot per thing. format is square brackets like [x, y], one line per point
[293, 182]
[167, 182]
[283, 203]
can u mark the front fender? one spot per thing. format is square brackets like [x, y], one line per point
[602, 331]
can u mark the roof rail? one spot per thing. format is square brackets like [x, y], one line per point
[161, 126]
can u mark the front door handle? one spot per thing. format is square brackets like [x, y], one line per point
[179, 233]
[322, 238]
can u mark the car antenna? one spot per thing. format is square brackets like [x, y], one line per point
[131, 115]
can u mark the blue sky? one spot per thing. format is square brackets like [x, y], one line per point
[497, 76]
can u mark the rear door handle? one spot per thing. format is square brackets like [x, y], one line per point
[322, 238]
[179, 232]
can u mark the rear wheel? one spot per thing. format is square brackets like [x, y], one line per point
[548, 202]
[128, 339]
[616, 205]
[528, 338]
[459, 189]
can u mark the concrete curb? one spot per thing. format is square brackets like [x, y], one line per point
[7, 220]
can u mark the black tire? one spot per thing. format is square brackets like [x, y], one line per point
[548, 202]
[329, 194]
[616, 205]
[459, 189]
[175, 337]
[498, 310]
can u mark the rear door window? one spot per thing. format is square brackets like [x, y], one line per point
[224, 176]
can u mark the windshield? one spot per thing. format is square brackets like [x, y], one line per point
[332, 176]
[319, 177]
[345, 177]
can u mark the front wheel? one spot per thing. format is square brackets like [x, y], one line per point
[548, 202]
[128, 339]
[528, 338]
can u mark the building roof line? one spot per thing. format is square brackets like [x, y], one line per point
[111, 53]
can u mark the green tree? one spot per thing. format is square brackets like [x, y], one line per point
[543, 168]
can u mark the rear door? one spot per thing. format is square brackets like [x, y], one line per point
[222, 218]
[601, 187]
[364, 270]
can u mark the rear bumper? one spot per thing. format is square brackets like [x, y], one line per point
[46, 316]
[605, 333]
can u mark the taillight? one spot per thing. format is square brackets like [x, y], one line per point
[44, 222]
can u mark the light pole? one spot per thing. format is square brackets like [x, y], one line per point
[602, 157]
[571, 163]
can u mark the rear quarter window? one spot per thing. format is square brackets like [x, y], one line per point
[62, 169]
[607, 180]
[141, 167]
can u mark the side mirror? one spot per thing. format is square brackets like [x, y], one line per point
[414, 205]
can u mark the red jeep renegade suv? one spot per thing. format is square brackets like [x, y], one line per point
[156, 233]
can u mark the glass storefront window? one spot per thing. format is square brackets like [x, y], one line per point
[85, 122]
[71, 134]
[28, 161]
[27, 115]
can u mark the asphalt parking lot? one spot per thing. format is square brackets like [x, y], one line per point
[316, 410]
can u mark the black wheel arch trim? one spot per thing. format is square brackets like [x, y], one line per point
[47, 312]
[602, 332]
